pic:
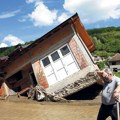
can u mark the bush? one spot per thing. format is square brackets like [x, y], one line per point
[101, 65]
[117, 74]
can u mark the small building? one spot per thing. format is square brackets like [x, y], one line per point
[114, 63]
[54, 61]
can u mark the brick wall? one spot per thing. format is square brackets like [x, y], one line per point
[40, 76]
[78, 54]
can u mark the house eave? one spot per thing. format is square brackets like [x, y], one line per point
[72, 20]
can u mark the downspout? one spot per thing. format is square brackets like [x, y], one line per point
[82, 41]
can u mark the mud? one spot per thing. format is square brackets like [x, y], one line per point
[84, 106]
[23, 109]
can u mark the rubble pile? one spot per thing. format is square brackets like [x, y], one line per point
[78, 85]
[38, 93]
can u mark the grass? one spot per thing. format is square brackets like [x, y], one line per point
[117, 74]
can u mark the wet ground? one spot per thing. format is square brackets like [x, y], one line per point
[84, 106]
[46, 111]
[23, 109]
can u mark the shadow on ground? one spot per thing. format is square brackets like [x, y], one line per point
[88, 93]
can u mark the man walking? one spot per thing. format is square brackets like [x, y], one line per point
[109, 96]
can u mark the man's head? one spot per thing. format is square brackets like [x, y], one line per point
[108, 71]
[106, 74]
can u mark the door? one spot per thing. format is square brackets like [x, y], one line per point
[49, 71]
[59, 64]
[68, 60]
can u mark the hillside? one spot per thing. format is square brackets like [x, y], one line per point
[106, 40]
[7, 50]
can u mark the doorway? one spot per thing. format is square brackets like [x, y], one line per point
[33, 79]
[59, 65]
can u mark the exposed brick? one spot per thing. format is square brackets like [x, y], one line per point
[78, 54]
[40, 76]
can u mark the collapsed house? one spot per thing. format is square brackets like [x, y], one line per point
[60, 62]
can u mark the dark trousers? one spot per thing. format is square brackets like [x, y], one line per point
[106, 111]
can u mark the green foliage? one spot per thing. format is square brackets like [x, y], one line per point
[106, 40]
[3, 49]
[7, 51]
[101, 65]
[103, 53]
[117, 74]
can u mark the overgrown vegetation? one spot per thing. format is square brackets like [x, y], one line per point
[107, 43]
[7, 51]
[106, 40]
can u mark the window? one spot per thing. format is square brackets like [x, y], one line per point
[55, 56]
[16, 77]
[46, 61]
[64, 50]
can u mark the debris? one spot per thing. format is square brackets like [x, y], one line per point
[38, 93]
[23, 91]
[78, 85]
[4, 97]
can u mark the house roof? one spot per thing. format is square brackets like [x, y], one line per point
[3, 60]
[116, 57]
[79, 28]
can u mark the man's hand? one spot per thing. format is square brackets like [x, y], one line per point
[116, 96]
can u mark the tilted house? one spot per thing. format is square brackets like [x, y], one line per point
[54, 61]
